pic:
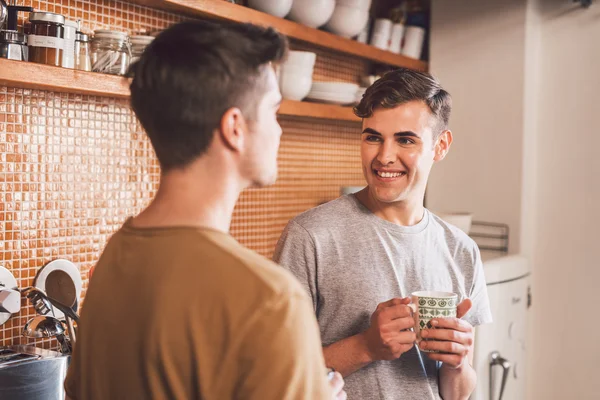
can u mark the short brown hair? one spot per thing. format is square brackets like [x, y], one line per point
[402, 86]
[191, 74]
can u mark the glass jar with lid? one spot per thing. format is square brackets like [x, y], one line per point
[46, 38]
[110, 52]
[83, 61]
[138, 45]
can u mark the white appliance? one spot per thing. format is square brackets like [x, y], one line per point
[500, 347]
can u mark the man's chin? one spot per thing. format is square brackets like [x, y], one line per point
[387, 195]
[264, 182]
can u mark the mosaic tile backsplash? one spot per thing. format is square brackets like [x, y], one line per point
[74, 167]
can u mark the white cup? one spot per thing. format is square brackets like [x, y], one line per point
[427, 305]
[301, 59]
[413, 41]
[380, 41]
[396, 38]
[383, 26]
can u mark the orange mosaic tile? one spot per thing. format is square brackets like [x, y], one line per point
[74, 167]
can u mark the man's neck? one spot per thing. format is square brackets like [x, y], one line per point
[404, 213]
[198, 196]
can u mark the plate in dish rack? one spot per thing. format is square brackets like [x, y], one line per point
[66, 266]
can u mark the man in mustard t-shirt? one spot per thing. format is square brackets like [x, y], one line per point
[177, 309]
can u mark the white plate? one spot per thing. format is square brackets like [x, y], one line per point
[7, 281]
[335, 87]
[66, 266]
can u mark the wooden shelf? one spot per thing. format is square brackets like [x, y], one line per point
[38, 76]
[221, 9]
[317, 110]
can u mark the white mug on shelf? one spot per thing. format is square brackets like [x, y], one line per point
[383, 26]
[396, 38]
[382, 30]
[414, 37]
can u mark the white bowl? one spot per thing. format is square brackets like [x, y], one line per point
[461, 220]
[278, 8]
[380, 41]
[347, 21]
[294, 86]
[313, 13]
[359, 4]
[297, 70]
[302, 59]
[359, 94]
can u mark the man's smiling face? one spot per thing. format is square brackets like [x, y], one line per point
[398, 151]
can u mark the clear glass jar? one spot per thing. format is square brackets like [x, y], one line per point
[83, 61]
[46, 38]
[138, 45]
[110, 52]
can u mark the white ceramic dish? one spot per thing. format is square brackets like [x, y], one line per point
[278, 8]
[66, 266]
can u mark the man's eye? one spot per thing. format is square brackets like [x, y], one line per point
[405, 141]
[372, 139]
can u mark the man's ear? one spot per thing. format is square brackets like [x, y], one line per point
[233, 129]
[442, 145]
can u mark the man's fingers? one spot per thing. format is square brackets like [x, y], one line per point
[404, 337]
[449, 335]
[395, 312]
[444, 347]
[463, 308]
[452, 323]
[393, 302]
[398, 324]
[337, 383]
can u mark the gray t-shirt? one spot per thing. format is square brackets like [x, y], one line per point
[349, 260]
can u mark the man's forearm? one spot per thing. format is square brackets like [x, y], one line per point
[347, 355]
[457, 384]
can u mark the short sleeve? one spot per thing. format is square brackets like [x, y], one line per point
[295, 251]
[480, 312]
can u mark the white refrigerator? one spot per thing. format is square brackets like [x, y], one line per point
[500, 347]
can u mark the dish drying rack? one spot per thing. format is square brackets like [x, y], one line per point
[490, 236]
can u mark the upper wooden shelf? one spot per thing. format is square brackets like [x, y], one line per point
[38, 76]
[222, 9]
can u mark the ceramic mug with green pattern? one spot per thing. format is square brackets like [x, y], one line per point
[428, 305]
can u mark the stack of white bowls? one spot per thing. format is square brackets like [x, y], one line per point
[278, 8]
[295, 75]
[313, 13]
[359, 94]
[333, 92]
[349, 17]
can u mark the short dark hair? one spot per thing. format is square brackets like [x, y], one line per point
[402, 86]
[191, 74]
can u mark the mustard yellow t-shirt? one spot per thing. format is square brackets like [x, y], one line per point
[187, 313]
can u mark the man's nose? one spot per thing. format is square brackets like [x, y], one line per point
[387, 153]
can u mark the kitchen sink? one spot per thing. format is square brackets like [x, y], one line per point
[30, 373]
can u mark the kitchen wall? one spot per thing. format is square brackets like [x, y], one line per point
[565, 345]
[477, 52]
[73, 167]
[538, 61]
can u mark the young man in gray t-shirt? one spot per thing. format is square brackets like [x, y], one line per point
[361, 256]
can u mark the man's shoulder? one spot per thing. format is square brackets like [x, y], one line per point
[456, 239]
[327, 215]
